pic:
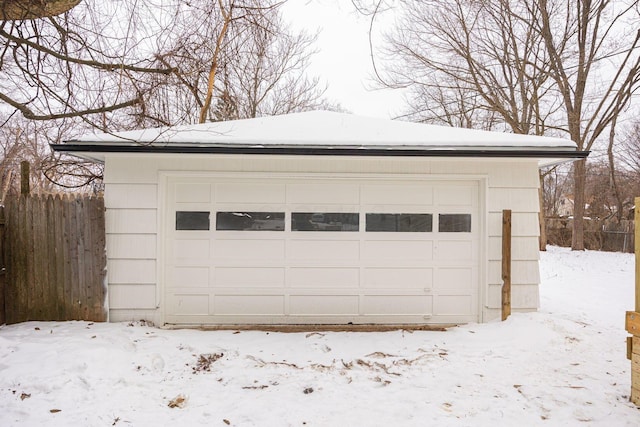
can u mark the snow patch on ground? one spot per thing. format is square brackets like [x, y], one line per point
[564, 365]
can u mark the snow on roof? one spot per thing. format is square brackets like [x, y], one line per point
[328, 129]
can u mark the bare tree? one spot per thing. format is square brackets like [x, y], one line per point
[123, 65]
[472, 64]
[582, 39]
[630, 155]
[87, 63]
[555, 186]
[544, 66]
[244, 55]
[267, 76]
[23, 139]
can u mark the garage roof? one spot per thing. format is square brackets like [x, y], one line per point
[324, 133]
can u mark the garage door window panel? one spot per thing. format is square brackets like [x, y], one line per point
[454, 223]
[322, 221]
[404, 223]
[190, 220]
[253, 221]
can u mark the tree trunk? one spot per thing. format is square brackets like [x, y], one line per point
[13, 10]
[542, 241]
[579, 179]
[226, 16]
[612, 171]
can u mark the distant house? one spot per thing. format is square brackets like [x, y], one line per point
[318, 217]
[565, 206]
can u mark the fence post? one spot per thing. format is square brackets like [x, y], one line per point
[636, 220]
[3, 316]
[24, 177]
[506, 264]
[632, 320]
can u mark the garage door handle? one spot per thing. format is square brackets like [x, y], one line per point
[427, 290]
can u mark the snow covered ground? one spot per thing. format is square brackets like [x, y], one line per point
[562, 366]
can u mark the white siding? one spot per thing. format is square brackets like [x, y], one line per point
[128, 271]
[521, 248]
[139, 196]
[130, 221]
[131, 232]
[128, 297]
[132, 246]
[133, 201]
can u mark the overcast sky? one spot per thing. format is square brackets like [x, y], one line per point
[343, 60]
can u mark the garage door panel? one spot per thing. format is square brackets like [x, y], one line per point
[190, 304]
[324, 305]
[190, 249]
[248, 304]
[397, 250]
[455, 195]
[458, 305]
[249, 276]
[458, 250]
[399, 278]
[250, 249]
[316, 249]
[193, 193]
[454, 279]
[415, 195]
[326, 278]
[321, 193]
[418, 305]
[250, 193]
[190, 277]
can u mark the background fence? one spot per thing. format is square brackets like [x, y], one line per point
[54, 254]
[599, 235]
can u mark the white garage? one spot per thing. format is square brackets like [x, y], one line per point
[317, 218]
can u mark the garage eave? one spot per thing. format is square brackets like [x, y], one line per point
[97, 151]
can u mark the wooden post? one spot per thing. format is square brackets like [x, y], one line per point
[636, 217]
[506, 264]
[24, 177]
[3, 317]
[632, 321]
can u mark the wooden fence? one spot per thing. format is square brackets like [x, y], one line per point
[54, 252]
[3, 317]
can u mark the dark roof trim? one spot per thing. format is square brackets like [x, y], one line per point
[317, 151]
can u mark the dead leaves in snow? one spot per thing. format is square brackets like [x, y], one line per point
[381, 381]
[255, 387]
[380, 355]
[262, 363]
[379, 363]
[177, 402]
[205, 361]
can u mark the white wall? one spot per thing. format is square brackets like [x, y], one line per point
[133, 199]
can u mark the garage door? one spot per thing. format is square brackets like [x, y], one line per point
[320, 250]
